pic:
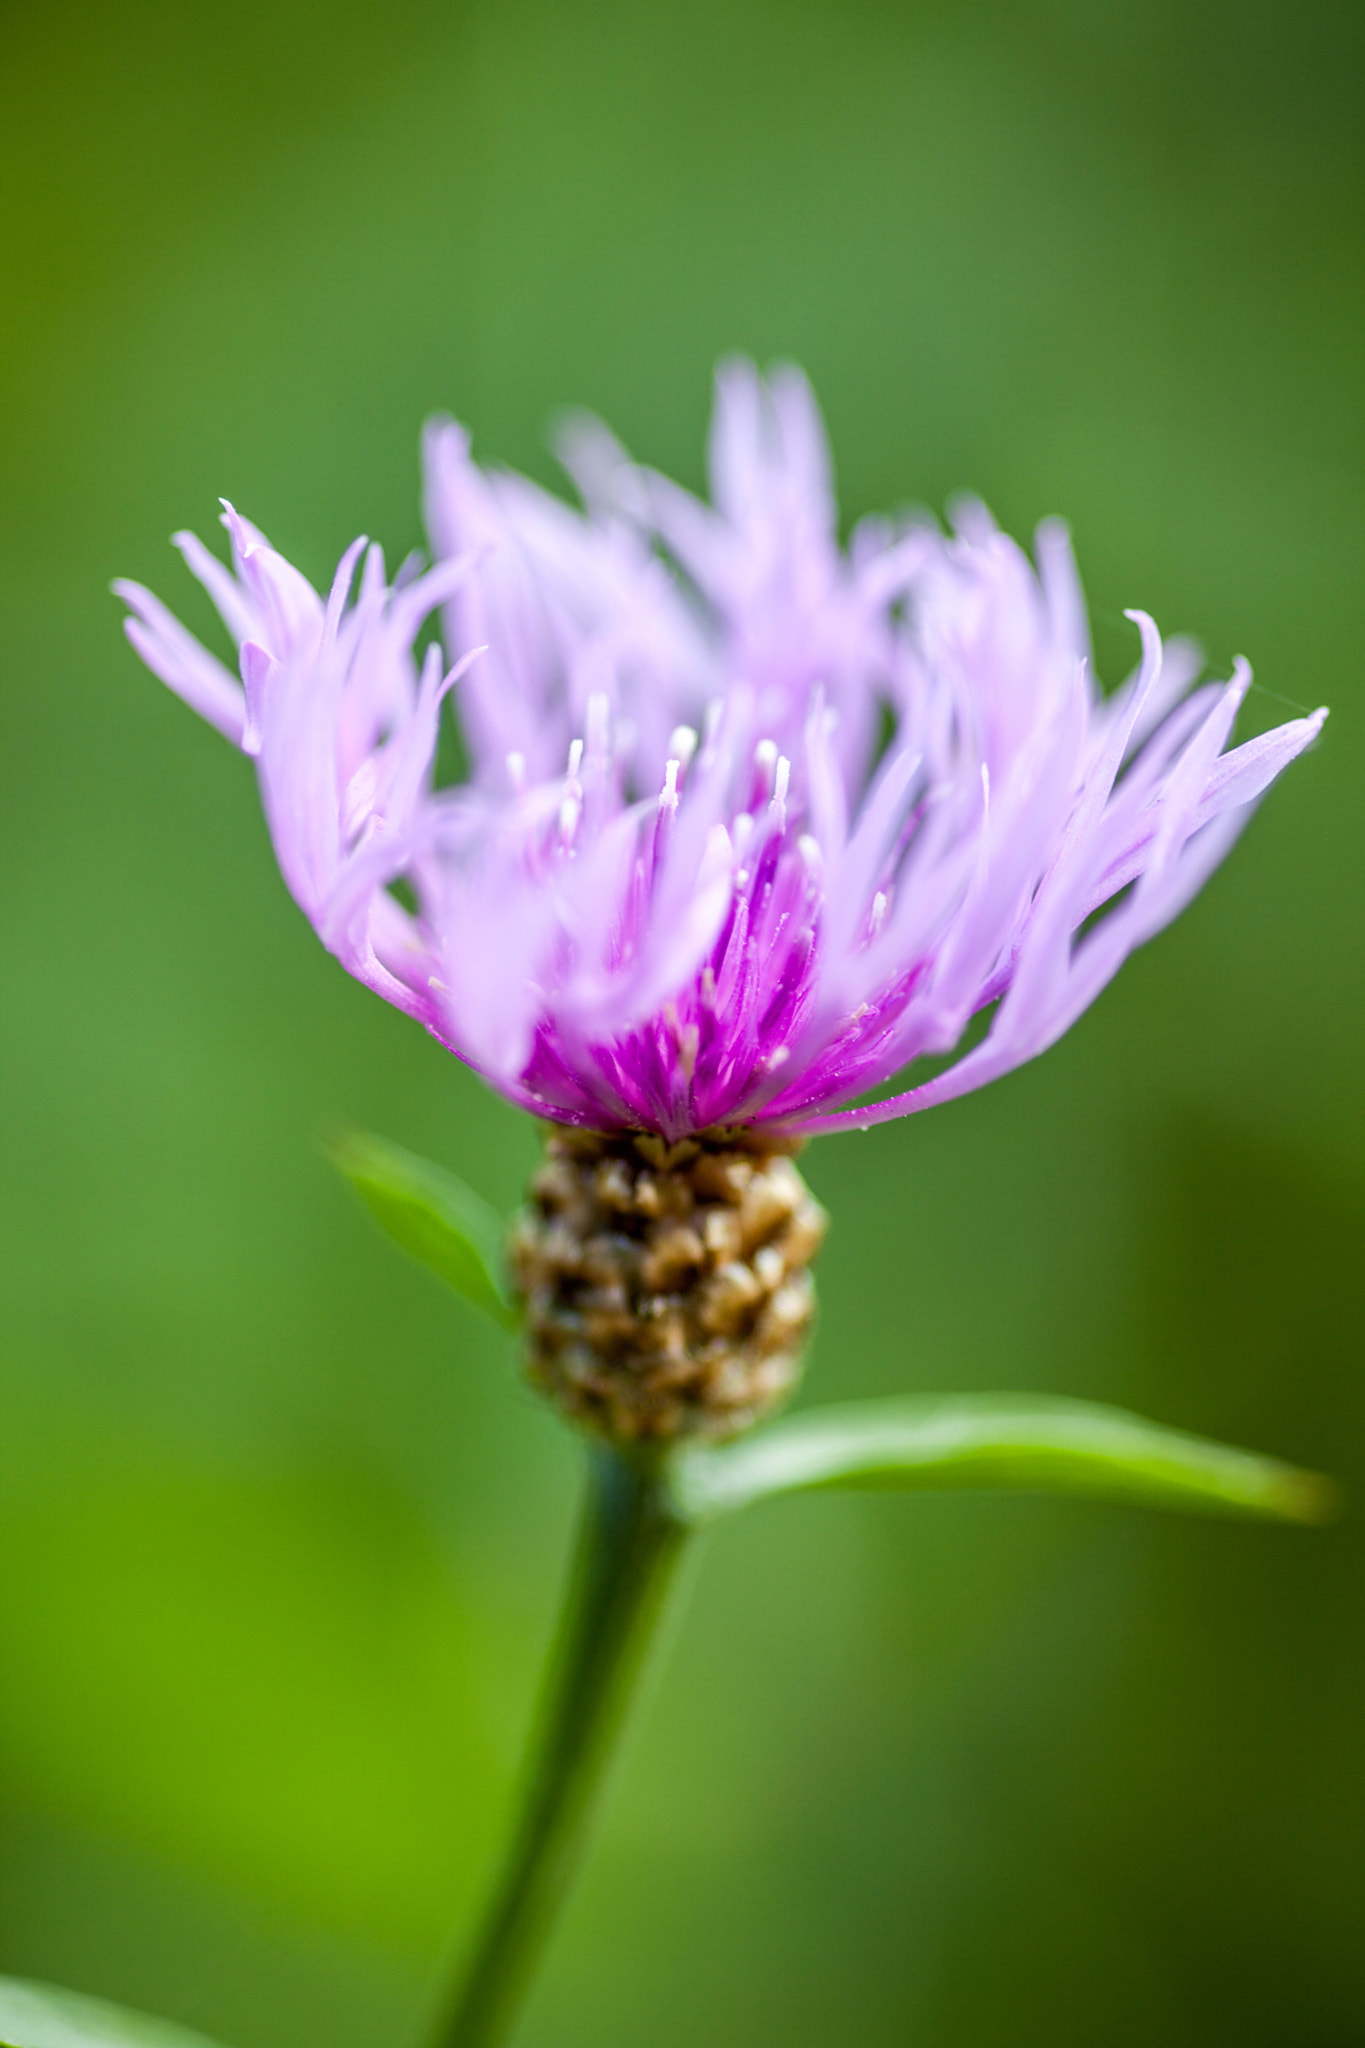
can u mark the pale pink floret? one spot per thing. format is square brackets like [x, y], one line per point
[754, 821]
[342, 724]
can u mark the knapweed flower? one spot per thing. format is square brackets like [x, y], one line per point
[752, 823]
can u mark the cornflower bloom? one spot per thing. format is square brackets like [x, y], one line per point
[753, 822]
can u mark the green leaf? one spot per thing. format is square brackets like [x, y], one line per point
[42, 2016]
[432, 1215]
[1034, 1442]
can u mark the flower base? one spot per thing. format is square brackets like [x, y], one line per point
[666, 1286]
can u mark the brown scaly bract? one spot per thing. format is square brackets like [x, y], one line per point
[666, 1286]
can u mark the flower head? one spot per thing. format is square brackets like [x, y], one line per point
[753, 821]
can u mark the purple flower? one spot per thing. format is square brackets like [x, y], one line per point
[753, 821]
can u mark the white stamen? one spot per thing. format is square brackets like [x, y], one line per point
[569, 812]
[687, 1039]
[683, 744]
[784, 776]
[575, 758]
[874, 922]
[765, 759]
[668, 797]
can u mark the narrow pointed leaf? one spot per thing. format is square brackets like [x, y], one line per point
[1033, 1442]
[432, 1215]
[43, 2016]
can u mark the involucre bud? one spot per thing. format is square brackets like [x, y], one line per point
[666, 1287]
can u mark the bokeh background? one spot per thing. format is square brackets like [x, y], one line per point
[280, 1535]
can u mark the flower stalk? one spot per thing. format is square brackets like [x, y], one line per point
[630, 1541]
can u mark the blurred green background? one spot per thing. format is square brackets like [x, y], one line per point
[280, 1535]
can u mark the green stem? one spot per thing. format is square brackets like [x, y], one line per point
[629, 1543]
